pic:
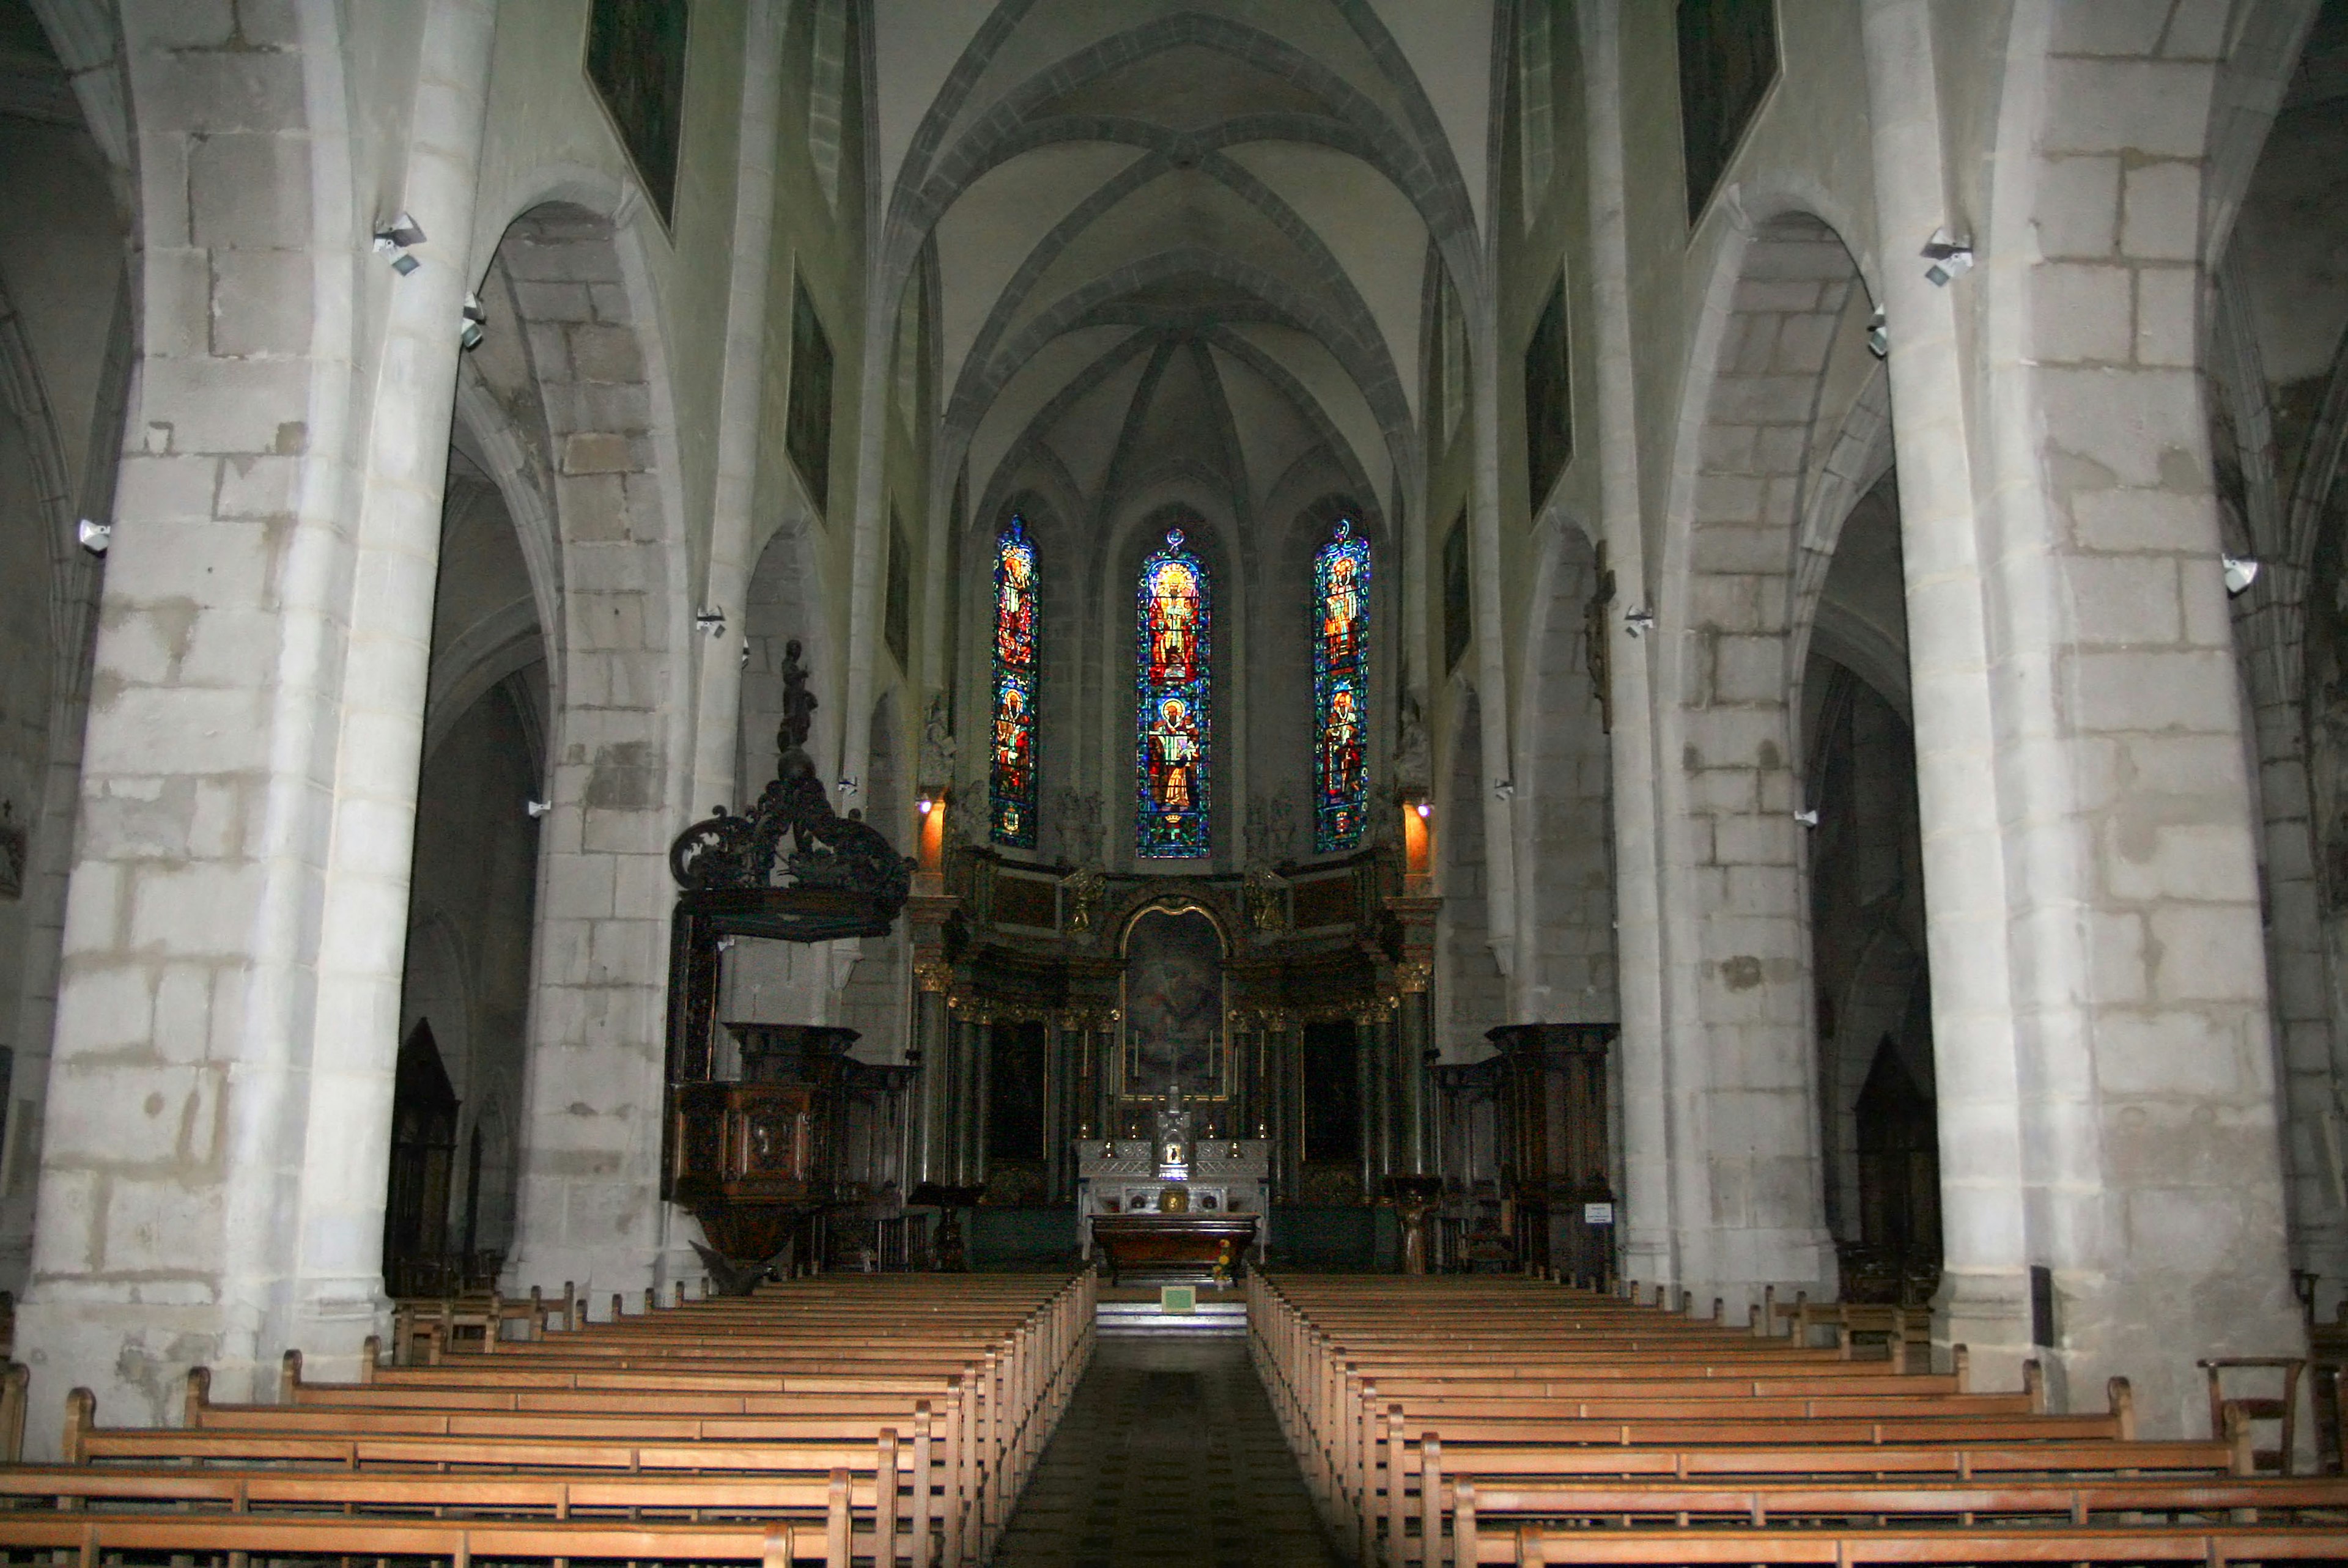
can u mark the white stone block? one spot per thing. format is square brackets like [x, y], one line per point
[2175, 1052]
[2082, 312]
[2155, 108]
[2152, 690]
[104, 1008]
[2165, 315]
[2161, 212]
[163, 1226]
[2211, 953]
[146, 729]
[2108, 27]
[2177, 860]
[2143, 519]
[250, 192]
[2120, 599]
[261, 302]
[2079, 205]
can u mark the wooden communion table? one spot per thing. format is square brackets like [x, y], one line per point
[1178, 1248]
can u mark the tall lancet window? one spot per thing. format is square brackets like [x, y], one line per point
[1013, 784]
[1341, 603]
[1173, 712]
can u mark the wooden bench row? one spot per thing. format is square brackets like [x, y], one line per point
[1565, 1420]
[736, 1430]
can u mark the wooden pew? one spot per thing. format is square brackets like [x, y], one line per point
[718, 1411]
[1536, 1397]
[1485, 1518]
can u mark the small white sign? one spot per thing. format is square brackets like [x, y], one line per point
[1598, 1214]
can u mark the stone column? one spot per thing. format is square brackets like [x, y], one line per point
[238, 895]
[1984, 1299]
[717, 726]
[362, 947]
[2149, 1147]
[1646, 1217]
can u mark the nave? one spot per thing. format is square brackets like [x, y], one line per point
[957, 1420]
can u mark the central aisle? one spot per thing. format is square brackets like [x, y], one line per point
[1169, 1454]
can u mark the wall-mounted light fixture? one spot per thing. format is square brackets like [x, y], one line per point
[95, 538]
[1951, 256]
[1504, 789]
[925, 805]
[393, 240]
[2240, 572]
[537, 808]
[1638, 622]
[710, 622]
[471, 321]
[1426, 809]
[1878, 336]
[1808, 817]
[847, 786]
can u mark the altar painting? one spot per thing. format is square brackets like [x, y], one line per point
[1173, 1012]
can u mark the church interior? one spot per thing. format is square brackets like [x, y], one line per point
[1064, 782]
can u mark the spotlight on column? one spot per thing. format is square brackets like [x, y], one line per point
[394, 239]
[710, 623]
[469, 324]
[537, 808]
[1504, 789]
[2241, 571]
[1808, 818]
[847, 786]
[1878, 336]
[95, 538]
[1638, 622]
[1951, 256]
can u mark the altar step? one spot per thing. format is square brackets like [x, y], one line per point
[1134, 1319]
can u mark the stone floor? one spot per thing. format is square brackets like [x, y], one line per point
[1169, 1454]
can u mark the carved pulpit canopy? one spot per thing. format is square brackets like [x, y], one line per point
[790, 867]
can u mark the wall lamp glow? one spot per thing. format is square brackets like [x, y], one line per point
[925, 805]
[710, 623]
[95, 538]
[537, 808]
[394, 241]
[1951, 256]
[2240, 572]
[1638, 622]
[470, 323]
[1424, 808]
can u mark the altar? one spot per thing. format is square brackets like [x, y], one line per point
[1175, 1201]
[1222, 1178]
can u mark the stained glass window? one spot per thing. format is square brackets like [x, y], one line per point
[1013, 781]
[1172, 714]
[1340, 602]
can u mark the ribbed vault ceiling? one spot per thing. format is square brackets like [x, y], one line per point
[1181, 248]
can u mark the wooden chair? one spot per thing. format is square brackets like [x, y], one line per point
[2283, 1408]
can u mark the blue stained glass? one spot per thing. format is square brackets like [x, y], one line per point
[1341, 661]
[1173, 710]
[1013, 779]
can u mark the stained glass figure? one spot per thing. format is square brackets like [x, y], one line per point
[1173, 712]
[1013, 784]
[1341, 599]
